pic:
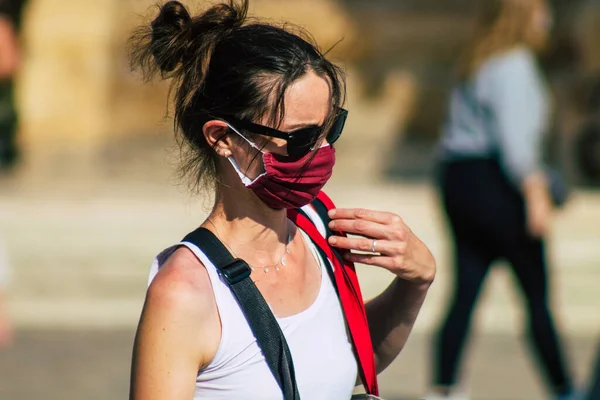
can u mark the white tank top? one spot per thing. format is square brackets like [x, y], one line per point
[317, 337]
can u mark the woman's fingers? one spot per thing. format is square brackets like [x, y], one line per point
[370, 259]
[366, 245]
[370, 229]
[396, 247]
[379, 217]
[372, 224]
[360, 227]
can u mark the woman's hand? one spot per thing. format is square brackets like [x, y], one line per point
[538, 205]
[390, 244]
[538, 217]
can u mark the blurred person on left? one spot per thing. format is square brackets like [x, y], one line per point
[10, 22]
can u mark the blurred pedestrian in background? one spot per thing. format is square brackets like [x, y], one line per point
[495, 189]
[10, 21]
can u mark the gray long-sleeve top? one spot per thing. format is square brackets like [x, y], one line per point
[503, 110]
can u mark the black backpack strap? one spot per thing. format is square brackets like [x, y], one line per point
[323, 214]
[324, 217]
[321, 252]
[259, 316]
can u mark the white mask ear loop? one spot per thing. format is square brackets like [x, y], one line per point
[245, 138]
[245, 179]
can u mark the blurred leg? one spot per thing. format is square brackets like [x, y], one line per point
[471, 267]
[468, 195]
[528, 261]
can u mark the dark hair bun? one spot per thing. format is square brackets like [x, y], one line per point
[172, 21]
[226, 16]
[176, 35]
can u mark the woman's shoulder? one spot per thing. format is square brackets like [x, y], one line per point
[513, 62]
[182, 278]
[180, 315]
[514, 69]
[181, 293]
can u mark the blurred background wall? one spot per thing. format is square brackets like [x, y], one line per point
[77, 94]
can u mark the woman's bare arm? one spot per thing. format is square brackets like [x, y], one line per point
[392, 314]
[178, 332]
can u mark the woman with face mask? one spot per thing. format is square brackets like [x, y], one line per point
[494, 186]
[258, 109]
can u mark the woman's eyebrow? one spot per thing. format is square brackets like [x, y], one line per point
[299, 125]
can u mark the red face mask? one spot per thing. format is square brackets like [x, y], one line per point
[291, 182]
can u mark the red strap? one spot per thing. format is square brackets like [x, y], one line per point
[326, 200]
[350, 298]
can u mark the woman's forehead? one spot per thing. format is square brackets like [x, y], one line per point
[307, 102]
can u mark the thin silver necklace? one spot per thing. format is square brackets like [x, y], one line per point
[266, 268]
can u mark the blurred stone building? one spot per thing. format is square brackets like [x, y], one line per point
[78, 96]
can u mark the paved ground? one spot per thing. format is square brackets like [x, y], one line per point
[94, 365]
[81, 240]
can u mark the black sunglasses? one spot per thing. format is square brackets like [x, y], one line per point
[301, 141]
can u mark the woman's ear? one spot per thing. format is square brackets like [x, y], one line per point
[216, 135]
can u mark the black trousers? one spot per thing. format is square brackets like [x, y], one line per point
[487, 217]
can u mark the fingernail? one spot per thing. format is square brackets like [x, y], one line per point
[331, 213]
[333, 240]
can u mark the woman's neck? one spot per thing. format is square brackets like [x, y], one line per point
[252, 230]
